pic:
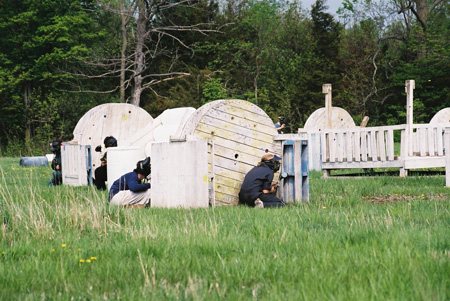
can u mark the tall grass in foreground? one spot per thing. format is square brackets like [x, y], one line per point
[357, 239]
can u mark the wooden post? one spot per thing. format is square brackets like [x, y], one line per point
[364, 121]
[447, 156]
[409, 87]
[326, 89]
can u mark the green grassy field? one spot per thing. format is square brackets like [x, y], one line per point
[377, 238]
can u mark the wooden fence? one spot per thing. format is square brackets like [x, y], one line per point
[420, 146]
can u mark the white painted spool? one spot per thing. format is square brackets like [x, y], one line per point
[120, 120]
[165, 125]
[242, 133]
[170, 122]
[122, 160]
[318, 120]
[443, 116]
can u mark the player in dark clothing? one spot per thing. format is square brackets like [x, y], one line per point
[101, 174]
[128, 189]
[257, 189]
[56, 164]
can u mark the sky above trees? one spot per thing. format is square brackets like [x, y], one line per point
[333, 5]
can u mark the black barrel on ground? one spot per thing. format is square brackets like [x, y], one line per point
[33, 161]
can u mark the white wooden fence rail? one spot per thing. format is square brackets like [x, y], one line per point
[421, 146]
[360, 147]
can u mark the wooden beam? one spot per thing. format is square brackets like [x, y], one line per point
[326, 89]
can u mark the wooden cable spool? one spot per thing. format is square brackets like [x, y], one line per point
[318, 120]
[443, 116]
[120, 120]
[242, 133]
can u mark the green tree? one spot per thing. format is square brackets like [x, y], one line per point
[403, 40]
[326, 36]
[36, 39]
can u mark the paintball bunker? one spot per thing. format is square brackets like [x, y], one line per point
[238, 134]
[120, 120]
[441, 117]
[329, 116]
[325, 118]
[241, 134]
[319, 119]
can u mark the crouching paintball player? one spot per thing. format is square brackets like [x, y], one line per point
[257, 189]
[128, 190]
[101, 172]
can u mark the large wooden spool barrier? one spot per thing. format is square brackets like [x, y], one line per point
[318, 120]
[120, 120]
[443, 116]
[163, 127]
[242, 133]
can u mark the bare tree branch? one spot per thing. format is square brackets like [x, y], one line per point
[143, 35]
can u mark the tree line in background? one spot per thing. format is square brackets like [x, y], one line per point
[60, 58]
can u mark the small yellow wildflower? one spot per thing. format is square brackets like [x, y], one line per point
[63, 245]
[88, 260]
[81, 260]
[93, 258]
[53, 250]
[324, 207]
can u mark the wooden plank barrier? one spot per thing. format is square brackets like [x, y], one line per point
[426, 148]
[360, 147]
[76, 162]
[447, 156]
[374, 147]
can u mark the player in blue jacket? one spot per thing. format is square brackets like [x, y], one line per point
[128, 190]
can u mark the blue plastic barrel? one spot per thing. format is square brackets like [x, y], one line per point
[33, 161]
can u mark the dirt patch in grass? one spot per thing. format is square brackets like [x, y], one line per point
[394, 198]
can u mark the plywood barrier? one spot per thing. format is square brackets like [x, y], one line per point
[76, 164]
[180, 174]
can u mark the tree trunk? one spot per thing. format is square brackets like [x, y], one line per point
[27, 100]
[139, 58]
[421, 10]
[255, 80]
[123, 53]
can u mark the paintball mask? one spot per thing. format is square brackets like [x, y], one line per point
[283, 120]
[144, 167]
[274, 163]
[110, 141]
[55, 146]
